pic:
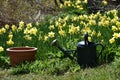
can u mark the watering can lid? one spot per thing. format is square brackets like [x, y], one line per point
[81, 43]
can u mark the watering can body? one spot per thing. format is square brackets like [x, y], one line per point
[87, 54]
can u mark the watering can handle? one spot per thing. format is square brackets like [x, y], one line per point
[86, 38]
[102, 48]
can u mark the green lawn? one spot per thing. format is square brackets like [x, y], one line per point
[103, 72]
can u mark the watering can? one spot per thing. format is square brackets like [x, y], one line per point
[86, 52]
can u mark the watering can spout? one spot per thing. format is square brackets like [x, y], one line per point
[66, 52]
[54, 43]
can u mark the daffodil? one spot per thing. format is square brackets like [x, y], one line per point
[77, 29]
[10, 42]
[56, 23]
[60, 19]
[7, 26]
[37, 23]
[92, 22]
[61, 5]
[51, 34]
[40, 37]
[114, 28]
[85, 1]
[64, 24]
[114, 12]
[93, 33]
[62, 32]
[112, 40]
[60, 26]
[78, 2]
[3, 30]
[0, 32]
[86, 29]
[104, 2]
[83, 17]
[89, 39]
[51, 27]
[75, 18]
[10, 36]
[116, 35]
[80, 7]
[51, 21]
[28, 37]
[66, 18]
[21, 24]
[1, 49]
[99, 34]
[19, 29]
[118, 24]
[46, 38]
[114, 20]
[29, 25]
[67, 3]
[26, 31]
[104, 23]
[72, 29]
[14, 28]
[33, 31]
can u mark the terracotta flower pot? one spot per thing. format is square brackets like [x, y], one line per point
[20, 54]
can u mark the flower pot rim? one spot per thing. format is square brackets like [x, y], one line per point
[19, 49]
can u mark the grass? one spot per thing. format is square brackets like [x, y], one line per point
[103, 72]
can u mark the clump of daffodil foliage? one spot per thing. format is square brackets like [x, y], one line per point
[67, 28]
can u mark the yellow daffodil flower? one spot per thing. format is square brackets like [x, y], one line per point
[46, 38]
[62, 32]
[28, 37]
[7, 26]
[89, 39]
[116, 35]
[10, 36]
[92, 22]
[118, 24]
[99, 34]
[14, 28]
[33, 31]
[73, 29]
[66, 18]
[1, 49]
[21, 24]
[104, 2]
[61, 5]
[29, 25]
[10, 42]
[40, 37]
[114, 28]
[85, 1]
[26, 31]
[112, 40]
[3, 30]
[51, 27]
[37, 23]
[56, 23]
[51, 34]
[93, 33]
